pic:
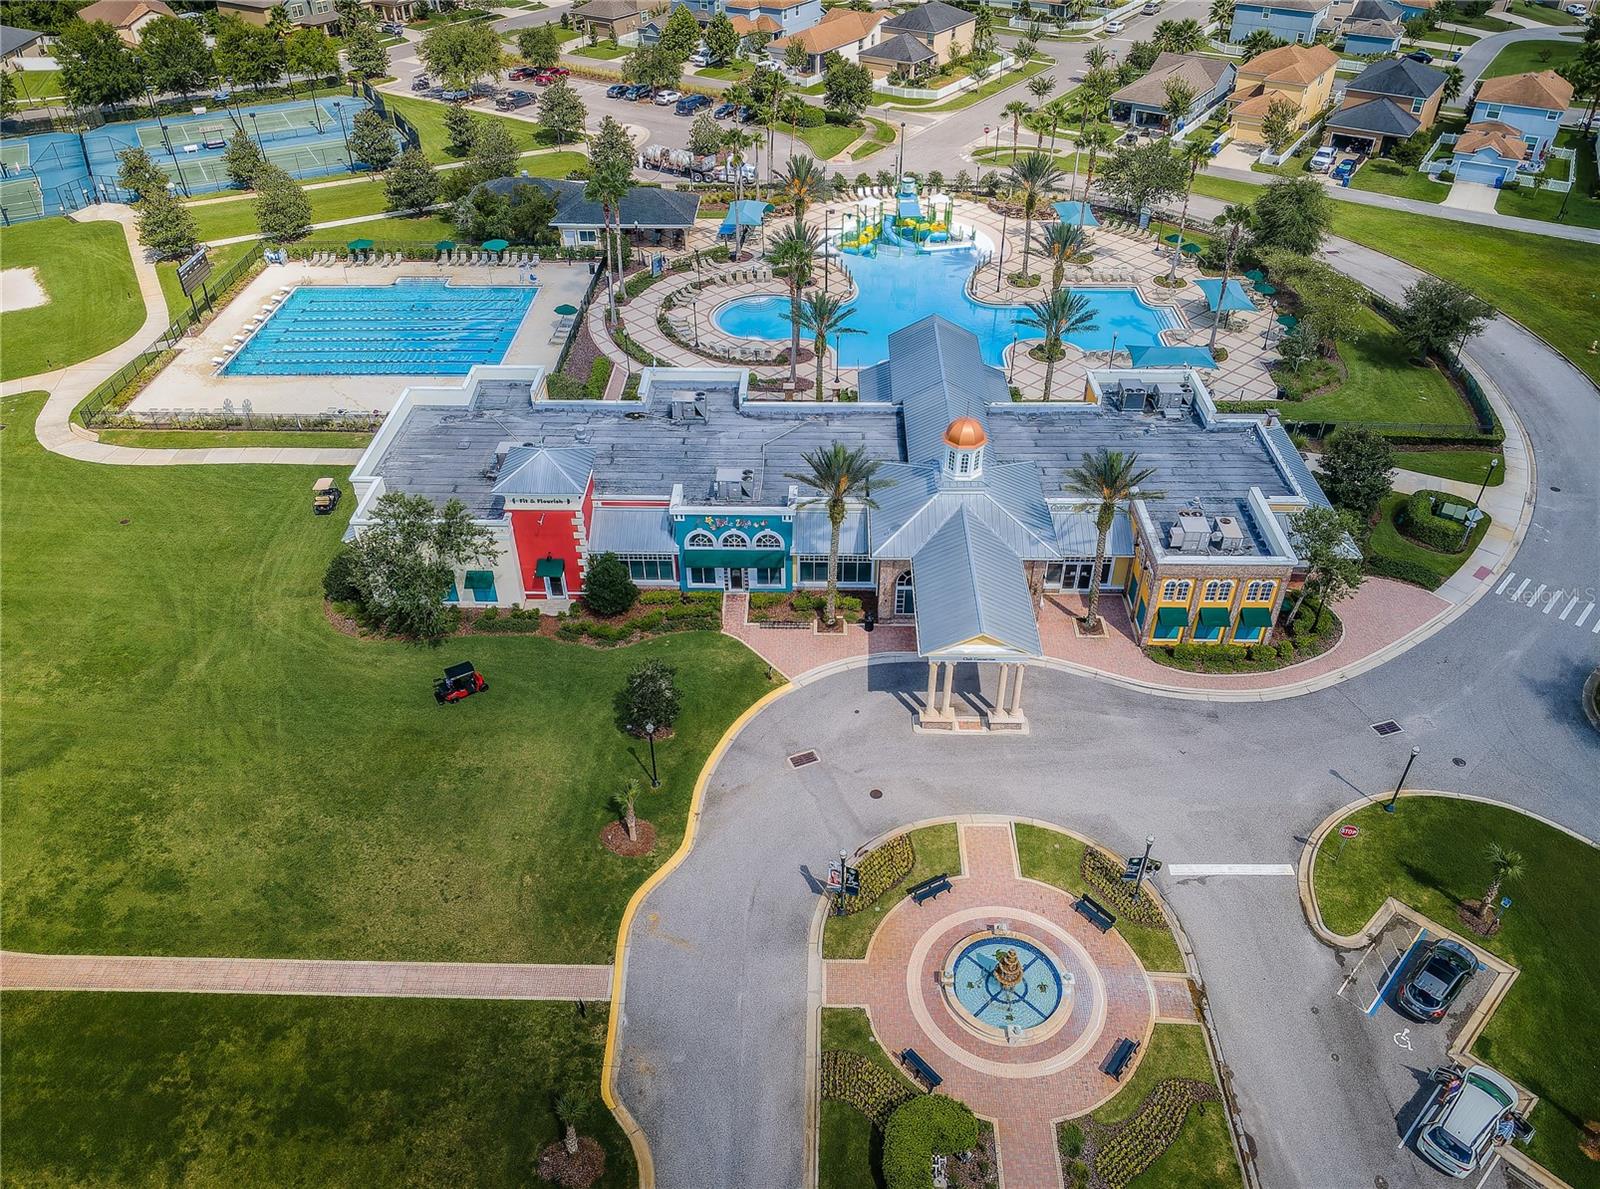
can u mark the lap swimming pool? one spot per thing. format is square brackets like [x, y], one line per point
[423, 327]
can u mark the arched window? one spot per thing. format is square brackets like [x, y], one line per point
[734, 540]
[700, 539]
[1174, 589]
[1260, 592]
[768, 540]
[1218, 591]
[904, 599]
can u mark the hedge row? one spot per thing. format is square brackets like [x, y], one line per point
[927, 1125]
[1103, 873]
[652, 623]
[662, 598]
[881, 870]
[1401, 569]
[1136, 1144]
[1417, 520]
[864, 1084]
[517, 619]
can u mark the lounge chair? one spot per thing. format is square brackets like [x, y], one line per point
[534, 261]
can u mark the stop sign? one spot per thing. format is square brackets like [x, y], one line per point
[1349, 831]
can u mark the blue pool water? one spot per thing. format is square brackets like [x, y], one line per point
[1027, 1005]
[899, 287]
[419, 328]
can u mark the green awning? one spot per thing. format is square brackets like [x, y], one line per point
[734, 559]
[549, 567]
[1171, 617]
[480, 579]
[1214, 617]
[1251, 618]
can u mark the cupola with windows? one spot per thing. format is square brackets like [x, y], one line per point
[964, 441]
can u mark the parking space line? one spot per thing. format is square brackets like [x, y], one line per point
[1405, 959]
[1484, 1180]
[1417, 1122]
[1579, 622]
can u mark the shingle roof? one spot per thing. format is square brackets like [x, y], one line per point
[1404, 77]
[1374, 10]
[1200, 72]
[643, 206]
[1382, 30]
[13, 39]
[744, 26]
[1505, 140]
[1382, 116]
[840, 27]
[122, 12]
[930, 18]
[969, 589]
[1291, 64]
[902, 47]
[608, 10]
[1543, 89]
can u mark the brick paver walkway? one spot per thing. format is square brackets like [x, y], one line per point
[795, 650]
[1024, 1088]
[300, 976]
[1174, 999]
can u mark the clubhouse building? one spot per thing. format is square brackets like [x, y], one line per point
[693, 487]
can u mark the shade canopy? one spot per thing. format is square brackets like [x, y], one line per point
[747, 212]
[445, 245]
[1234, 299]
[1078, 214]
[1192, 248]
[549, 567]
[1160, 355]
[736, 559]
[1172, 237]
[495, 245]
[566, 311]
[1255, 618]
[359, 245]
[1255, 274]
[1214, 617]
[1265, 289]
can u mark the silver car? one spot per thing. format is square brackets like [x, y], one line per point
[1466, 1120]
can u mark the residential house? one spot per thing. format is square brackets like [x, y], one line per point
[1371, 28]
[1388, 102]
[1489, 153]
[1290, 20]
[648, 215]
[301, 12]
[929, 35]
[127, 17]
[20, 43]
[611, 19]
[1301, 75]
[843, 31]
[1415, 8]
[1531, 103]
[758, 19]
[1143, 102]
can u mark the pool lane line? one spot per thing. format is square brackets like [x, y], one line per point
[1405, 960]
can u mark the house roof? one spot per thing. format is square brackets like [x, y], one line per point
[902, 47]
[744, 26]
[642, 206]
[1299, 5]
[632, 530]
[1374, 10]
[1382, 116]
[1258, 101]
[972, 597]
[1381, 30]
[1200, 72]
[533, 470]
[608, 10]
[1402, 77]
[753, 5]
[14, 40]
[1542, 89]
[122, 13]
[1505, 140]
[1291, 64]
[839, 28]
[933, 17]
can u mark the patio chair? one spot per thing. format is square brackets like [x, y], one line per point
[534, 261]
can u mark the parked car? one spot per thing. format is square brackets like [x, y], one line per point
[1422, 56]
[1438, 976]
[1322, 159]
[1578, 10]
[483, 90]
[724, 110]
[454, 96]
[1150, 9]
[690, 104]
[517, 73]
[421, 83]
[635, 92]
[667, 97]
[512, 100]
[1115, 26]
[699, 60]
[616, 90]
[542, 78]
[391, 28]
[747, 114]
[1464, 1123]
[557, 71]
[1343, 171]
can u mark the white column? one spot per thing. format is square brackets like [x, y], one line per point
[949, 681]
[933, 685]
[1016, 691]
[1000, 691]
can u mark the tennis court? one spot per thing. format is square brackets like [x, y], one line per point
[214, 128]
[14, 154]
[21, 198]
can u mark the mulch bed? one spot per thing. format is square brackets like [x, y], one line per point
[560, 1167]
[982, 1171]
[1471, 916]
[616, 840]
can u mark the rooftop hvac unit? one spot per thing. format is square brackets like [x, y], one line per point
[735, 484]
[1196, 531]
[1230, 534]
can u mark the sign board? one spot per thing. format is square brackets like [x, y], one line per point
[1349, 831]
[658, 264]
[193, 271]
[851, 879]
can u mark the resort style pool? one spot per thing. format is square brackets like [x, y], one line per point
[897, 287]
[980, 988]
[414, 327]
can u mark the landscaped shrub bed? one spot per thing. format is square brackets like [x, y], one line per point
[927, 1125]
[863, 1084]
[1136, 1144]
[657, 613]
[800, 607]
[1418, 521]
[1310, 635]
[1103, 873]
[881, 869]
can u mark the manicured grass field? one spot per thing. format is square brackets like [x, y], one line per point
[605, 51]
[878, 136]
[1532, 278]
[849, 1145]
[936, 850]
[265, 1090]
[85, 270]
[729, 74]
[1202, 1155]
[825, 142]
[1488, 24]
[968, 98]
[37, 84]
[1522, 56]
[197, 763]
[237, 216]
[428, 116]
[1387, 541]
[1465, 466]
[221, 259]
[1387, 177]
[215, 439]
[1542, 13]
[385, 230]
[1430, 855]
[1056, 858]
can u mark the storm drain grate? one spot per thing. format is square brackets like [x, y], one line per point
[1387, 727]
[801, 758]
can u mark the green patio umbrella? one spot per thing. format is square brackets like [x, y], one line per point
[445, 245]
[1265, 289]
[566, 311]
[1288, 321]
[359, 245]
[1255, 274]
[495, 245]
[1173, 238]
[1192, 249]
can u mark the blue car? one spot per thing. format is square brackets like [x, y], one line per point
[690, 104]
[616, 90]
[724, 110]
[1343, 171]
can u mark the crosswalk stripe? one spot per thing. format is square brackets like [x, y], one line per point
[1570, 606]
[1596, 627]
[1554, 599]
[1537, 595]
[1579, 622]
[1506, 581]
[1518, 595]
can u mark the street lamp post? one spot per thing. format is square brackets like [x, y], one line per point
[1489, 474]
[650, 734]
[900, 167]
[257, 129]
[982, 144]
[1149, 841]
[338, 110]
[1111, 355]
[1399, 784]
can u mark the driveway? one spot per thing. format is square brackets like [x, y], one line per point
[1471, 196]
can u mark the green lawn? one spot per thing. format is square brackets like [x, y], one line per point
[1522, 56]
[1442, 37]
[198, 764]
[879, 135]
[1403, 181]
[825, 142]
[936, 850]
[428, 116]
[1487, 23]
[1532, 278]
[1465, 466]
[968, 98]
[389, 230]
[164, 1089]
[237, 216]
[729, 74]
[37, 84]
[1544, 14]
[605, 51]
[1581, 209]
[1387, 541]
[1057, 859]
[1202, 1155]
[1430, 855]
[221, 259]
[86, 272]
[849, 1145]
[213, 439]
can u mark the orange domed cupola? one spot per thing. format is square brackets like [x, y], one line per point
[965, 433]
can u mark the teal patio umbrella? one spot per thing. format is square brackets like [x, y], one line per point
[566, 311]
[1288, 321]
[1173, 238]
[359, 245]
[495, 245]
[445, 245]
[1265, 289]
[1255, 275]
[1192, 249]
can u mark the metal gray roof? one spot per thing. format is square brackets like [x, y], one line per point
[13, 39]
[1077, 534]
[935, 16]
[916, 501]
[1374, 10]
[642, 206]
[1405, 77]
[1278, 438]
[632, 530]
[966, 584]
[1382, 116]
[533, 470]
[813, 534]
[937, 373]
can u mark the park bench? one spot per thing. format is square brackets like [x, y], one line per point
[928, 889]
[1117, 1059]
[921, 1068]
[1096, 913]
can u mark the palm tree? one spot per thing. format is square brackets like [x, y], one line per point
[1060, 242]
[802, 182]
[1180, 98]
[1097, 139]
[1041, 85]
[569, 1110]
[626, 803]
[1032, 176]
[840, 474]
[793, 250]
[1453, 81]
[1238, 219]
[1221, 14]
[1505, 865]
[1016, 109]
[823, 315]
[983, 30]
[608, 184]
[738, 140]
[1097, 57]
[1058, 314]
[780, 92]
[1195, 155]
[1110, 478]
[1179, 37]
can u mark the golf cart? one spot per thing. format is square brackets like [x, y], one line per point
[460, 681]
[324, 496]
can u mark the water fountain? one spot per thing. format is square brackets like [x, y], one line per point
[1006, 987]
